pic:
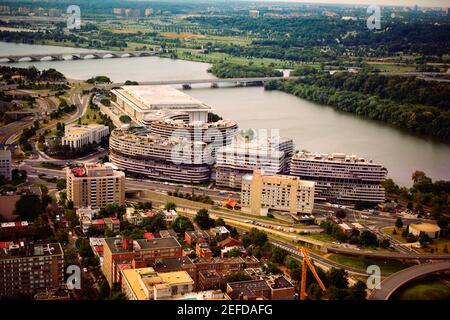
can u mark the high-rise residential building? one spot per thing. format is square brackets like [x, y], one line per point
[120, 250]
[77, 136]
[95, 185]
[242, 156]
[27, 268]
[5, 164]
[340, 177]
[260, 193]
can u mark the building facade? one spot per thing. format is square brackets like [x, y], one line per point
[95, 185]
[340, 177]
[240, 158]
[77, 136]
[117, 250]
[5, 164]
[261, 193]
[138, 151]
[28, 269]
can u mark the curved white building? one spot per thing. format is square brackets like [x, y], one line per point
[138, 151]
[340, 177]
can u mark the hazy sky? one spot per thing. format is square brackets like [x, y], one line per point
[425, 3]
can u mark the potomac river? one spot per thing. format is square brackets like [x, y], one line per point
[313, 127]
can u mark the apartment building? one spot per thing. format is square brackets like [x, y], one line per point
[118, 250]
[95, 185]
[340, 177]
[241, 157]
[27, 268]
[261, 193]
[147, 284]
[5, 164]
[77, 136]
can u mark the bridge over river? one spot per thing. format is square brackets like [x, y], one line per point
[76, 56]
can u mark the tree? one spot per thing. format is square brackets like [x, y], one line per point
[255, 237]
[357, 291]
[385, 243]
[170, 206]
[203, 220]
[399, 223]
[337, 278]
[368, 238]
[278, 255]
[341, 214]
[237, 277]
[235, 252]
[182, 224]
[29, 207]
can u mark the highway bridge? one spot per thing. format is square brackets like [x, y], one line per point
[213, 82]
[392, 283]
[76, 56]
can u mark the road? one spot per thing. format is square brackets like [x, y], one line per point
[392, 283]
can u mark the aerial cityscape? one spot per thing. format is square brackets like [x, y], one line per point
[224, 151]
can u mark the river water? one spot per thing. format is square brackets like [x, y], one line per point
[313, 127]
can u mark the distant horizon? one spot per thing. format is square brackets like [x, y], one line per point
[400, 3]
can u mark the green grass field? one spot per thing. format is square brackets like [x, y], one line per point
[362, 263]
[430, 288]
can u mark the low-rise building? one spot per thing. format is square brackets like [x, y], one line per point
[429, 229]
[77, 136]
[169, 216]
[274, 287]
[220, 232]
[147, 284]
[117, 250]
[193, 237]
[202, 250]
[261, 193]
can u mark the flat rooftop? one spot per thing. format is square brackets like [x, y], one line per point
[150, 97]
[157, 243]
[22, 250]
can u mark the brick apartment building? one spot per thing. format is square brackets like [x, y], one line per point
[27, 268]
[118, 250]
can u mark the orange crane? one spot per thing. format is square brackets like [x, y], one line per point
[307, 262]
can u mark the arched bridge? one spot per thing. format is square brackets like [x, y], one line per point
[76, 56]
[392, 283]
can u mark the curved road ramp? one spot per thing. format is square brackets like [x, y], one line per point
[392, 283]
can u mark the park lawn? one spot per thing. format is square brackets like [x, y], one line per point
[88, 117]
[362, 263]
[438, 245]
[392, 67]
[429, 288]
[324, 237]
[388, 231]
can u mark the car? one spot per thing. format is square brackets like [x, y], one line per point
[336, 242]
[85, 270]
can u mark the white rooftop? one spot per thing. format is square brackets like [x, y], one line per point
[157, 97]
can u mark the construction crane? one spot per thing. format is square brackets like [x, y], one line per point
[307, 262]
